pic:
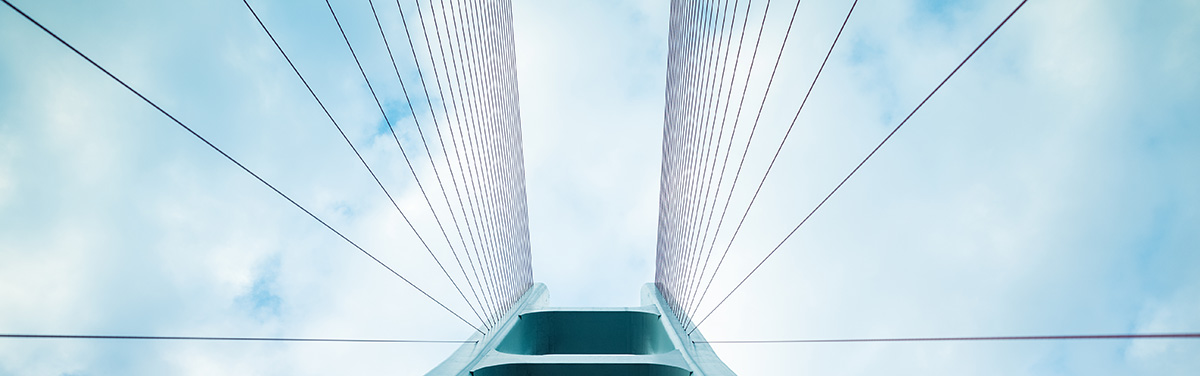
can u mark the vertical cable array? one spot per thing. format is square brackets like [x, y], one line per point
[696, 79]
[700, 126]
[467, 69]
[705, 45]
[462, 56]
[466, 72]
[473, 74]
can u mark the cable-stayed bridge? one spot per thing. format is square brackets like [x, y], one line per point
[464, 80]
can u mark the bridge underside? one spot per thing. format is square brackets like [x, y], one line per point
[534, 339]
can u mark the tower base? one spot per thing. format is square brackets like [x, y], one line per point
[534, 339]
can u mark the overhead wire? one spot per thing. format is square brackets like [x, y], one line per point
[234, 339]
[958, 339]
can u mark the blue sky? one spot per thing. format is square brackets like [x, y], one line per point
[1049, 188]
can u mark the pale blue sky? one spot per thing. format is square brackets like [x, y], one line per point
[1049, 188]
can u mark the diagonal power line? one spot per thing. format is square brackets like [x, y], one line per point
[231, 159]
[948, 339]
[240, 339]
[864, 161]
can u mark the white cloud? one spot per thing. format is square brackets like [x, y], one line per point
[1047, 188]
[1021, 199]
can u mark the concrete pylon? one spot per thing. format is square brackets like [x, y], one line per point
[534, 339]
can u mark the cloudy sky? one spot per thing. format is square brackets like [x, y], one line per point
[1050, 187]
